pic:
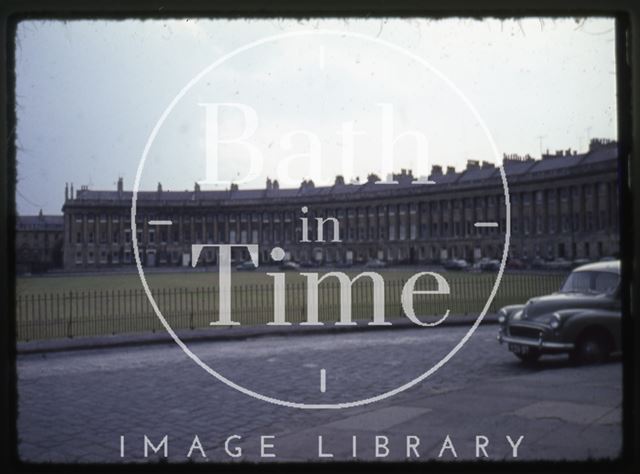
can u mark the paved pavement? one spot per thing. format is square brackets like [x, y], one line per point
[75, 406]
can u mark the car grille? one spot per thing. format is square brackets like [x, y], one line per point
[523, 331]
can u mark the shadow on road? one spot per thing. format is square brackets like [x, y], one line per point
[559, 362]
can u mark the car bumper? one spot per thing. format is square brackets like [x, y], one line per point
[539, 343]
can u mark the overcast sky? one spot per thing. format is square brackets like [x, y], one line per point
[89, 93]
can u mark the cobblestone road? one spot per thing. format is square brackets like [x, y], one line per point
[74, 406]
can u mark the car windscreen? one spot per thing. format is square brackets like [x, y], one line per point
[591, 282]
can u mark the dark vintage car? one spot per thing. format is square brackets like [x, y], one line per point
[246, 266]
[516, 264]
[289, 265]
[457, 264]
[582, 319]
[375, 263]
[490, 265]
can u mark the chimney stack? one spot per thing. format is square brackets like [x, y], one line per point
[405, 177]
[373, 178]
[307, 184]
[120, 184]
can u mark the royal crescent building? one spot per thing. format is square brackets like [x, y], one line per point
[563, 205]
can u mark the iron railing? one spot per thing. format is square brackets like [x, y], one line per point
[103, 312]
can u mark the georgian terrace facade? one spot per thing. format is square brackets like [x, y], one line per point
[562, 205]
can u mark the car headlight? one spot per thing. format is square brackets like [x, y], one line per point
[502, 316]
[555, 321]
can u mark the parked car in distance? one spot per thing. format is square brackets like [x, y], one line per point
[579, 262]
[559, 264]
[289, 266]
[537, 263]
[516, 264]
[456, 264]
[375, 263]
[490, 266]
[582, 319]
[246, 266]
[477, 266]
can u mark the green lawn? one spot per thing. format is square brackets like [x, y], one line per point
[192, 280]
[70, 306]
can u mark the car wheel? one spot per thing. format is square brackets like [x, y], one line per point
[590, 349]
[530, 357]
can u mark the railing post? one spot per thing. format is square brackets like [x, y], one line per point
[69, 327]
[191, 311]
